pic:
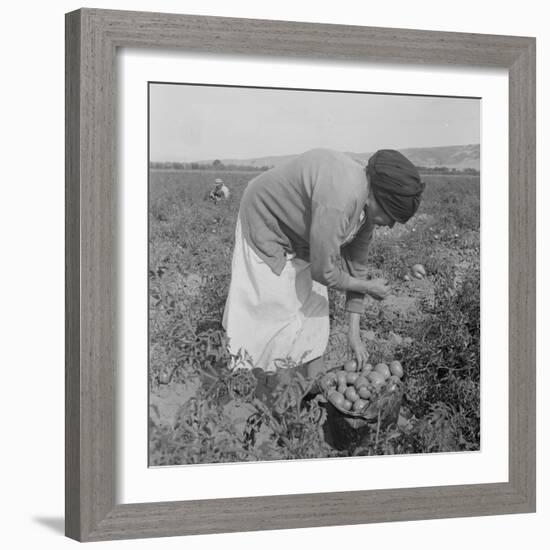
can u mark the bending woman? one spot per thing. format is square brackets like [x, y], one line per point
[305, 226]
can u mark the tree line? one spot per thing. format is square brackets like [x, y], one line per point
[215, 165]
[446, 170]
[219, 165]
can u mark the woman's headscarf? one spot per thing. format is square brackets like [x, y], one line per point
[395, 183]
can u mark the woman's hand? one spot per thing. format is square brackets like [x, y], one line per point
[358, 349]
[378, 288]
[355, 342]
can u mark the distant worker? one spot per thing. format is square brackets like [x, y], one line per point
[220, 191]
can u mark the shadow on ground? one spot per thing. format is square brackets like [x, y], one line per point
[54, 524]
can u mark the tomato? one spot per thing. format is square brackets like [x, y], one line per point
[383, 369]
[396, 368]
[351, 394]
[336, 398]
[359, 405]
[366, 369]
[342, 378]
[164, 377]
[360, 382]
[346, 405]
[364, 393]
[352, 377]
[350, 366]
[376, 379]
[418, 271]
[342, 388]
[394, 379]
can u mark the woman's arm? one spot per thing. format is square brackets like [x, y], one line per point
[327, 231]
[354, 340]
[354, 256]
[376, 288]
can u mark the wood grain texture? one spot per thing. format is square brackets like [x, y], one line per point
[72, 277]
[253, 37]
[313, 510]
[92, 37]
[91, 285]
[522, 273]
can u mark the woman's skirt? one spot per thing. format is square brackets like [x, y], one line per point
[273, 320]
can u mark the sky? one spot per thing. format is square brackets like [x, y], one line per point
[189, 123]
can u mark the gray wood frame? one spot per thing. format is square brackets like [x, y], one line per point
[92, 39]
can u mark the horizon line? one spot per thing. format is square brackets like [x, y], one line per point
[205, 160]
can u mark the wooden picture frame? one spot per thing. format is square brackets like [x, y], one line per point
[92, 39]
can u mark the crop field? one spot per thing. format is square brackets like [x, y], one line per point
[202, 412]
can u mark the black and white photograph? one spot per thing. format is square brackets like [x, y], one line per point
[313, 274]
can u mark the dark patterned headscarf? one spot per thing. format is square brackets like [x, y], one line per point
[395, 183]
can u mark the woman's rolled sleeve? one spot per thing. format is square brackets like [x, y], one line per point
[327, 231]
[354, 256]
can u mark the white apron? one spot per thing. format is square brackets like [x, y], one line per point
[273, 316]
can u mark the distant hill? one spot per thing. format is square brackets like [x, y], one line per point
[456, 156]
[459, 157]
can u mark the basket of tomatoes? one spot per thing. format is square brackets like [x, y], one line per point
[363, 396]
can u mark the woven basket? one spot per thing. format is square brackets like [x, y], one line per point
[383, 408]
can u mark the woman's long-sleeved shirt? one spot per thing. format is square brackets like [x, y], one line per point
[311, 206]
